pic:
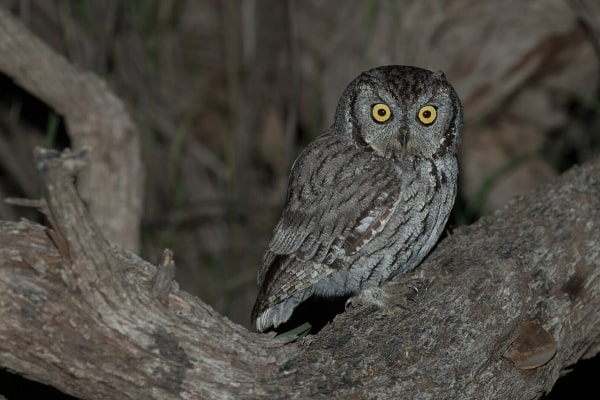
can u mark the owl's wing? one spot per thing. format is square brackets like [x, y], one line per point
[338, 200]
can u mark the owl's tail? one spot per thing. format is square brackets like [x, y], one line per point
[281, 312]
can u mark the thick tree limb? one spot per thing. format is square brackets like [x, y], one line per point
[95, 117]
[87, 318]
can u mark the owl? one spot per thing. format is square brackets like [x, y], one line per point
[368, 198]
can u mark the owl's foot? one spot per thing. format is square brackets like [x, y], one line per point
[390, 295]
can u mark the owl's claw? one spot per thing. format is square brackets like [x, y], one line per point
[417, 285]
[390, 295]
[349, 303]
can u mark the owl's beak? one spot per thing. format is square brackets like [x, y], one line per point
[404, 137]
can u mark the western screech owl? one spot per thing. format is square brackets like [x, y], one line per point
[368, 199]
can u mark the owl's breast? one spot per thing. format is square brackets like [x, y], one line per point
[423, 199]
[441, 179]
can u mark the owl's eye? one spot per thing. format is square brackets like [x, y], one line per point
[427, 115]
[381, 112]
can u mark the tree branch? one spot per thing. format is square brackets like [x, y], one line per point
[87, 317]
[95, 117]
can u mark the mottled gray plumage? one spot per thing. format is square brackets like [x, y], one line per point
[368, 199]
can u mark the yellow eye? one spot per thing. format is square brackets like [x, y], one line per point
[381, 112]
[427, 115]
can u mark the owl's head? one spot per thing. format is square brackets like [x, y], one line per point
[400, 111]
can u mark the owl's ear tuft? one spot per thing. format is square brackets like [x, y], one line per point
[439, 75]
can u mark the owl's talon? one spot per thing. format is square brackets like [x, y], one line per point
[349, 303]
[404, 292]
[391, 295]
[371, 296]
[417, 285]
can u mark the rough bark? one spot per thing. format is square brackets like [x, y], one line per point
[100, 323]
[113, 184]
